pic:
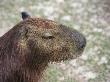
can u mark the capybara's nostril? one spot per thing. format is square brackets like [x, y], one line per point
[82, 42]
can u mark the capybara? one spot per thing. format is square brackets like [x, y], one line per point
[28, 48]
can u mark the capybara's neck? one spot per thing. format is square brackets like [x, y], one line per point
[20, 63]
[33, 74]
[26, 75]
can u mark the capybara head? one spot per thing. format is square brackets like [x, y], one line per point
[29, 46]
[49, 40]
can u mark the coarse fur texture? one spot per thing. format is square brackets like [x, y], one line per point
[29, 46]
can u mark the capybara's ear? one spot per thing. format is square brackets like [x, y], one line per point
[24, 15]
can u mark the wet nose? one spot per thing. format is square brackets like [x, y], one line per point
[75, 36]
[79, 39]
[82, 42]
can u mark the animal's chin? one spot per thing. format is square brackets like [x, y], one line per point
[66, 57]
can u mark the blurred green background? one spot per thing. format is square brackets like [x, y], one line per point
[90, 17]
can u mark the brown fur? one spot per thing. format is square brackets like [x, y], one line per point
[28, 47]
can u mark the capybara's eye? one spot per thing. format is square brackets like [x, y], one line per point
[47, 35]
